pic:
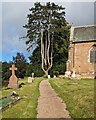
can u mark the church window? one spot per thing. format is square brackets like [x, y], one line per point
[93, 54]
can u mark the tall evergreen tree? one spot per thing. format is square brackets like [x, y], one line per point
[47, 28]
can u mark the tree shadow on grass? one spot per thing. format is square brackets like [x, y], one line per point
[6, 88]
[20, 85]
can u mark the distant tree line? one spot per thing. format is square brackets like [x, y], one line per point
[21, 64]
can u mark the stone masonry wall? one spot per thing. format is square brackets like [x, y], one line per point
[79, 58]
[82, 63]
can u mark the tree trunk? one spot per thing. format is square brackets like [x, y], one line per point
[46, 52]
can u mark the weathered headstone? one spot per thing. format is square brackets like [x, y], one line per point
[13, 81]
[29, 79]
[32, 76]
[73, 73]
[54, 76]
[67, 74]
[48, 76]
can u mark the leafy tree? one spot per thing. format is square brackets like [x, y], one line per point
[35, 62]
[0, 73]
[29, 69]
[5, 71]
[47, 28]
[20, 62]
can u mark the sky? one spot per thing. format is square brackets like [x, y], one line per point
[14, 16]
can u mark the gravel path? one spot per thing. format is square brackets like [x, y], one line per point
[49, 104]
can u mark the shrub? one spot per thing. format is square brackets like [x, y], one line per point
[56, 73]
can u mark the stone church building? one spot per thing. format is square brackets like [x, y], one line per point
[82, 51]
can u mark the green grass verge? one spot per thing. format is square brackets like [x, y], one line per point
[26, 107]
[77, 94]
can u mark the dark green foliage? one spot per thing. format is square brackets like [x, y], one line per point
[0, 66]
[39, 18]
[20, 63]
[37, 70]
[35, 58]
[59, 31]
[0, 73]
[51, 73]
[35, 62]
[5, 70]
[56, 73]
[29, 69]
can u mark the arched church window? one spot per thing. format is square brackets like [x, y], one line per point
[93, 54]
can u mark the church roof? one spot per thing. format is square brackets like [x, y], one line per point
[84, 33]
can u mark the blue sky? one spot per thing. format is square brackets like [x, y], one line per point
[14, 17]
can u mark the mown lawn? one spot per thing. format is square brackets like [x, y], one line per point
[77, 94]
[26, 107]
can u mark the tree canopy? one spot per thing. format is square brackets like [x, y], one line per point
[47, 20]
[20, 62]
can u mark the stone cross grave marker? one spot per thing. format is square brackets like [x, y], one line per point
[13, 81]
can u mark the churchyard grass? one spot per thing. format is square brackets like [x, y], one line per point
[26, 107]
[77, 94]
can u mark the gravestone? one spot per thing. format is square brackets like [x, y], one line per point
[54, 76]
[48, 76]
[67, 74]
[13, 81]
[32, 76]
[29, 79]
[73, 73]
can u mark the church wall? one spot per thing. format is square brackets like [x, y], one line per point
[82, 63]
[79, 51]
[70, 59]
